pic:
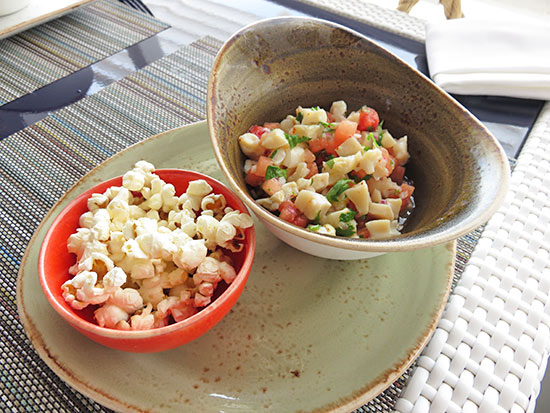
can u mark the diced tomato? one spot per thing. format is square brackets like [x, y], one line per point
[368, 119]
[398, 174]
[322, 143]
[405, 195]
[300, 221]
[253, 180]
[360, 173]
[288, 211]
[363, 233]
[390, 163]
[344, 130]
[271, 186]
[317, 145]
[331, 146]
[313, 170]
[309, 156]
[291, 214]
[272, 125]
[351, 205]
[258, 130]
[330, 117]
[263, 163]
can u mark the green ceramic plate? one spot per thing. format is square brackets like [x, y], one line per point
[307, 333]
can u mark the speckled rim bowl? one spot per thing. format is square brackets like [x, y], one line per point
[264, 71]
[54, 261]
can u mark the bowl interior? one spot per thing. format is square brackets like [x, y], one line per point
[56, 260]
[265, 71]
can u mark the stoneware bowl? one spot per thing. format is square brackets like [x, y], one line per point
[263, 72]
[54, 262]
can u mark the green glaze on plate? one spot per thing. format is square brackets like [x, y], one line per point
[307, 334]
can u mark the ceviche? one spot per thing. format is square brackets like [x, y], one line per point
[330, 172]
[146, 257]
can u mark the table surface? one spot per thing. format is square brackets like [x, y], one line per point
[510, 120]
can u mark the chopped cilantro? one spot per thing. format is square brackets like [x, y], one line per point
[317, 218]
[274, 172]
[329, 127]
[347, 216]
[373, 139]
[315, 108]
[330, 156]
[299, 117]
[338, 188]
[314, 228]
[294, 140]
[345, 232]
[379, 128]
[274, 153]
[380, 133]
[330, 163]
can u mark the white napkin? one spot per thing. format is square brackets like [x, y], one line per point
[489, 57]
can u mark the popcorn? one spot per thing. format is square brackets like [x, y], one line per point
[114, 279]
[148, 257]
[110, 316]
[127, 299]
[97, 201]
[133, 180]
[82, 290]
[189, 255]
[143, 321]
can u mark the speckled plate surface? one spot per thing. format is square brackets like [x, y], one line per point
[307, 334]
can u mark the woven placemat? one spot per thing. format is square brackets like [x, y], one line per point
[43, 54]
[39, 163]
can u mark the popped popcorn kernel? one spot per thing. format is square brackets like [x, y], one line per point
[147, 257]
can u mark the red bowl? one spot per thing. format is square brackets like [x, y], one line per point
[54, 262]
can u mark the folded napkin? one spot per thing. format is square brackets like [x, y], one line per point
[488, 57]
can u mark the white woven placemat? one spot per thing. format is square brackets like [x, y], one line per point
[490, 350]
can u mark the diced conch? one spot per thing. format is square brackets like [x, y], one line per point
[345, 167]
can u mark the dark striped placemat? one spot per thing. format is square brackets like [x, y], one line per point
[39, 163]
[45, 53]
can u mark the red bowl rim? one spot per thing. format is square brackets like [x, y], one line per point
[76, 321]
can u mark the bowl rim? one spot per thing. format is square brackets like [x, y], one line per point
[78, 322]
[356, 244]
